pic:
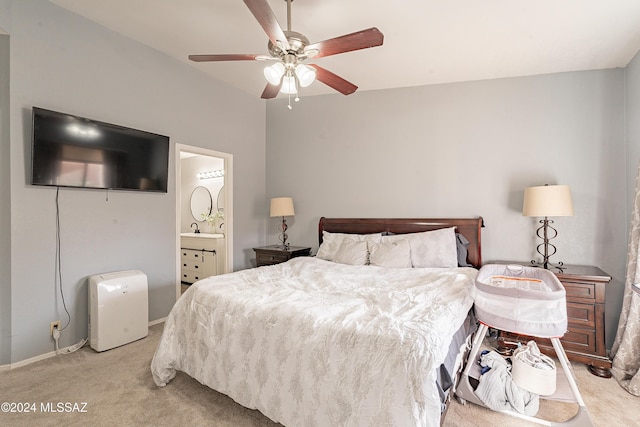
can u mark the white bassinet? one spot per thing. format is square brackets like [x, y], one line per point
[524, 300]
[529, 301]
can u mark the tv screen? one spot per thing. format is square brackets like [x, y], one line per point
[72, 151]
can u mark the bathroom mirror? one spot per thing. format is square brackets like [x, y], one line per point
[200, 203]
[220, 200]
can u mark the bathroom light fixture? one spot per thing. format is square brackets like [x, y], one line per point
[282, 206]
[211, 174]
[546, 201]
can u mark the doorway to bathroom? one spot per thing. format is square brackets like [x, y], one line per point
[204, 219]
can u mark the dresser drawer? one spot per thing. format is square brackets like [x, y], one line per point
[581, 315]
[189, 276]
[271, 258]
[192, 265]
[190, 255]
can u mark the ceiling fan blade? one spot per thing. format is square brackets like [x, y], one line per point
[263, 13]
[224, 57]
[364, 39]
[334, 81]
[271, 91]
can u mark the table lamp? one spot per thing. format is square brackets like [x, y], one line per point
[282, 206]
[547, 201]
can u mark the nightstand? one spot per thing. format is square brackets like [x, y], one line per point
[275, 254]
[584, 340]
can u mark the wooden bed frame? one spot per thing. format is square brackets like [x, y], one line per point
[468, 227]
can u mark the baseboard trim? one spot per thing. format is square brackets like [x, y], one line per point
[34, 359]
[53, 353]
[157, 321]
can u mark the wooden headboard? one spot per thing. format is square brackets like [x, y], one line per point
[468, 227]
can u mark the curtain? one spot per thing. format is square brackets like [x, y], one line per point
[626, 347]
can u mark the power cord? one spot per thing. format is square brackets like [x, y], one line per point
[68, 350]
[56, 337]
[59, 260]
[58, 277]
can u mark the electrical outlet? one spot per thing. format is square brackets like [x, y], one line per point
[52, 325]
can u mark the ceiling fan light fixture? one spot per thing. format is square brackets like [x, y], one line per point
[273, 73]
[289, 84]
[306, 74]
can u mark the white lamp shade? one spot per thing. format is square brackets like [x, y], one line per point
[274, 73]
[289, 85]
[282, 206]
[547, 200]
[306, 75]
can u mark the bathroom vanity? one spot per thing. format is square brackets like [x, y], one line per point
[201, 255]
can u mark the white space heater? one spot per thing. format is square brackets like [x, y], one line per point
[118, 309]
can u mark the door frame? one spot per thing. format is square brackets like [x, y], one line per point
[228, 204]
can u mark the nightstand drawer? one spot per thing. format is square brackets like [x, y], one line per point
[580, 292]
[579, 339]
[581, 315]
[274, 254]
[575, 339]
[271, 258]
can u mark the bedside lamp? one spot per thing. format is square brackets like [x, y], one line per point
[282, 206]
[547, 201]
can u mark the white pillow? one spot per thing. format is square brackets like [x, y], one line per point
[331, 242]
[390, 254]
[352, 253]
[435, 248]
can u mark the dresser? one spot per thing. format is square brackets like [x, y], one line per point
[584, 340]
[275, 254]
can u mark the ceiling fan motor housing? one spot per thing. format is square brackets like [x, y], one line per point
[297, 43]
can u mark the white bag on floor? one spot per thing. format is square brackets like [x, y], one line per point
[533, 371]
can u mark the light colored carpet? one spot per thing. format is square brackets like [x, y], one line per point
[119, 391]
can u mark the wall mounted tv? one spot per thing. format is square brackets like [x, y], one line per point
[72, 151]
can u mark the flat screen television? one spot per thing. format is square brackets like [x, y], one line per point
[72, 151]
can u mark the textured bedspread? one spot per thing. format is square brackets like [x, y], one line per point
[314, 343]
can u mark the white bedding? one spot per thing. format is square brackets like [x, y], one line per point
[314, 343]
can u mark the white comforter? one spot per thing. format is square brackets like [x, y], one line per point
[314, 343]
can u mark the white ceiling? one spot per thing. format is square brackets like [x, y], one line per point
[425, 41]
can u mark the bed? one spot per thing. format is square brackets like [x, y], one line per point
[316, 342]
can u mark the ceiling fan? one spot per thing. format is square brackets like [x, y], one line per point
[291, 49]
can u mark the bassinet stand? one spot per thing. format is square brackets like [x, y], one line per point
[465, 391]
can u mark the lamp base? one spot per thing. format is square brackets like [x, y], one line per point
[548, 248]
[548, 265]
[283, 235]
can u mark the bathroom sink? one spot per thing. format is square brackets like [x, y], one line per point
[203, 235]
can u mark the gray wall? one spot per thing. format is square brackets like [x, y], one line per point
[63, 62]
[5, 206]
[462, 150]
